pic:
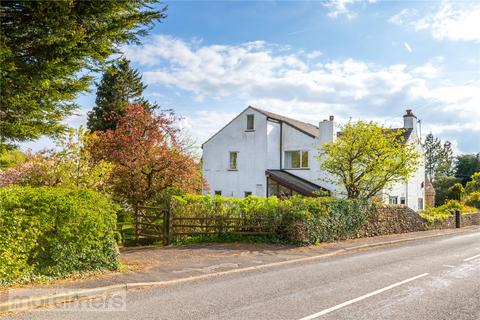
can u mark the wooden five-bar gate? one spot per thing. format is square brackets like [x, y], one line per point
[157, 224]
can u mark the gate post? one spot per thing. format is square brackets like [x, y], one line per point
[166, 227]
[458, 223]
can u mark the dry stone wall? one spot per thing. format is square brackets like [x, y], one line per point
[393, 219]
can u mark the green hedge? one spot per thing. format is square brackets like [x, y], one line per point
[53, 232]
[300, 220]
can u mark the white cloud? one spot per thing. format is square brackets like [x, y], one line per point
[342, 7]
[459, 21]
[407, 46]
[289, 83]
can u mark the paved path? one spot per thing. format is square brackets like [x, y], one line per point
[436, 278]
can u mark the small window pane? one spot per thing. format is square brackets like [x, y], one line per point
[304, 159]
[420, 203]
[250, 122]
[296, 159]
[233, 160]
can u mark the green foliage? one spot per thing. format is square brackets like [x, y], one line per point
[70, 167]
[466, 165]
[11, 158]
[456, 192]
[438, 157]
[119, 87]
[442, 212]
[367, 157]
[43, 47]
[474, 184]
[52, 232]
[442, 185]
[473, 199]
[299, 220]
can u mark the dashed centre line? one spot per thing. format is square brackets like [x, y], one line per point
[472, 258]
[371, 294]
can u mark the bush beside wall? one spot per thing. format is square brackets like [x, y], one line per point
[53, 232]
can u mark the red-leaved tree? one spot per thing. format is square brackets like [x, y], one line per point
[149, 159]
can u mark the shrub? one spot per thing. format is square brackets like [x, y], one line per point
[474, 184]
[441, 213]
[314, 220]
[53, 232]
[473, 199]
[299, 220]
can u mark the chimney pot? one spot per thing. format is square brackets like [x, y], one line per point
[409, 112]
[331, 118]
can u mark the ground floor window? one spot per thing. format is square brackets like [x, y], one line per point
[393, 200]
[276, 189]
[420, 203]
[218, 192]
[402, 200]
[248, 193]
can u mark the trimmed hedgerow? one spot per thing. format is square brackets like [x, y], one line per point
[53, 232]
[299, 220]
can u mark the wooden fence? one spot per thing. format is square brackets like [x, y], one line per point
[157, 224]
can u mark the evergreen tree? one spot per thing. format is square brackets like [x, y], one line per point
[432, 147]
[43, 47]
[120, 86]
[445, 161]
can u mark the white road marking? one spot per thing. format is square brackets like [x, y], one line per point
[339, 306]
[448, 266]
[472, 258]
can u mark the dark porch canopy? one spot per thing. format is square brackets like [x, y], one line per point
[283, 183]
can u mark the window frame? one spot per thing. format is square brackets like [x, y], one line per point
[252, 117]
[230, 167]
[390, 198]
[303, 154]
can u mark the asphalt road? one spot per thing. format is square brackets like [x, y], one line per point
[437, 278]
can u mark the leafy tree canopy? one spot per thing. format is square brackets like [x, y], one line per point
[43, 47]
[148, 157]
[438, 157]
[120, 86]
[466, 165]
[367, 157]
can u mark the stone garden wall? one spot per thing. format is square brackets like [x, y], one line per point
[391, 219]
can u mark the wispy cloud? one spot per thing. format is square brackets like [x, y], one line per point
[407, 46]
[338, 8]
[458, 21]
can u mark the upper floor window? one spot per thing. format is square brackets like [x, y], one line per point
[296, 159]
[233, 160]
[250, 122]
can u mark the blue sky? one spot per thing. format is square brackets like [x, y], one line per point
[350, 58]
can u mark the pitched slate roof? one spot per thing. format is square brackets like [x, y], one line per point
[293, 182]
[305, 127]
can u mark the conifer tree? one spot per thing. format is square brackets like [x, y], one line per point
[120, 86]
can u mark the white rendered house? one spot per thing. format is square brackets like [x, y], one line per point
[265, 154]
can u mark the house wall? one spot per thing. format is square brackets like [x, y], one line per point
[273, 145]
[415, 188]
[251, 161]
[294, 139]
